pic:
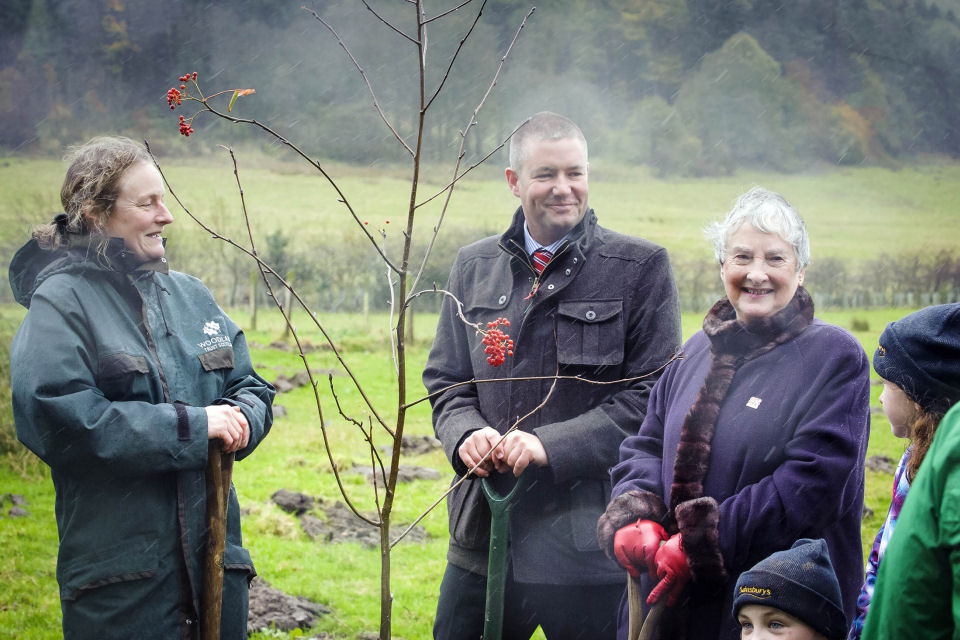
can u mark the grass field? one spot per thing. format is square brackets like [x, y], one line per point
[852, 213]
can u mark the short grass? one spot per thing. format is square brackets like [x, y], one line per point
[342, 576]
[853, 213]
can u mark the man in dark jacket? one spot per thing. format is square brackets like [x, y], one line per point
[594, 307]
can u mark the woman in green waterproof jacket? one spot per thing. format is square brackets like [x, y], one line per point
[122, 371]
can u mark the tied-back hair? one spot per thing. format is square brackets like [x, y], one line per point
[544, 125]
[768, 212]
[923, 427]
[90, 189]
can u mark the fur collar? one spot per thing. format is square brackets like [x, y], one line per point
[731, 344]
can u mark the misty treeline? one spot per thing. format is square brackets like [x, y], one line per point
[688, 87]
[341, 277]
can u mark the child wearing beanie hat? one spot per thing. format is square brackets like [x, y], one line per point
[918, 359]
[791, 594]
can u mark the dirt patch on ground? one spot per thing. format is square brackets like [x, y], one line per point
[415, 445]
[883, 464]
[326, 522]
[284, 384]
[406, 473]
[17, 504]
[272, 608]
[334, 522]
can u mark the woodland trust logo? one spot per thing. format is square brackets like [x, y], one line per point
[756, 592]
[216, 339]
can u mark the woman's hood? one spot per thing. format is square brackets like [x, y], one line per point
[31, 265]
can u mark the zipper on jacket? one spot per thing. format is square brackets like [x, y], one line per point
[525, 258]
[158, 288]
[148, 336]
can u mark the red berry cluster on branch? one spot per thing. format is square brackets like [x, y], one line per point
[185, 127]
[498, 344]
[174, 97]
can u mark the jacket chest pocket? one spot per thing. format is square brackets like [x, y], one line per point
[118, 374]
[221, 358]
[590, 332]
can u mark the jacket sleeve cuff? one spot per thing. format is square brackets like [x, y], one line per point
[624, 509]
[190, 450]
[452, 425]
[698, 521]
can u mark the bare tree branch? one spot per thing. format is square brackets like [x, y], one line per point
[392, 307]
[341, 197]
[376, 462]
[374, 459]
[461, 152]
[456, 53]
[363, 73]
[264, 269]
[473, 166]
[449, 11]
[383, 20]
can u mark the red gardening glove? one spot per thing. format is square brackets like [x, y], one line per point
[673, 571]
[635, 546]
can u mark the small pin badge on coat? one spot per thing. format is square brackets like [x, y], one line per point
[754, 402]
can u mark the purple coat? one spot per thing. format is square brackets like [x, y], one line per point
[786, 459]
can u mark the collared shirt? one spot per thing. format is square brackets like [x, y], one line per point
[532, 245]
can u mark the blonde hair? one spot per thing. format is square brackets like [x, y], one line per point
[90, 188]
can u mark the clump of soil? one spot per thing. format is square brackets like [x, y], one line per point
[406, 473]
[272, 608]
[415, 445]
[334, 522]
[283, 384]
[883, 464]
[17, 505]
[292, 501]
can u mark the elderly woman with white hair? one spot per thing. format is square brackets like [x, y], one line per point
[754, 439]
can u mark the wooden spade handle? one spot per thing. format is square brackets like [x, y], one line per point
[218, 475]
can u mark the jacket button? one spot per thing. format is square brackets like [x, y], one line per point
[591, 315]
[502, 299]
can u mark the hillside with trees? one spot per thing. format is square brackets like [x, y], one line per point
[688, 87]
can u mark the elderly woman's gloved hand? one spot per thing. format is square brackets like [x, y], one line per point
[636, 546]
[673, 571]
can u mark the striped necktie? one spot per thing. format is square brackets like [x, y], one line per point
[540, 259]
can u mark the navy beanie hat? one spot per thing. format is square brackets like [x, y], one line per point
[799, 581]
[920, 353]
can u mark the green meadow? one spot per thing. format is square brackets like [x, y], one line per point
[854, 214]
[851, 213]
